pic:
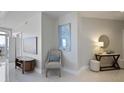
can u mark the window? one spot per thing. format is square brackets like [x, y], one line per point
[3, 33]
[2, 41]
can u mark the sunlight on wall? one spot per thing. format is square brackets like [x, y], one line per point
[95, 41]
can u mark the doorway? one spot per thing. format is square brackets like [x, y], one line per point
[4, 55]
[4, 45]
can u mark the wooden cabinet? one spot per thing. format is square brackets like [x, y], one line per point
[25, 63]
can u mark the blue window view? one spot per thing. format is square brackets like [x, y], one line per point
[64, 43]
[2, 41]
[2, 45]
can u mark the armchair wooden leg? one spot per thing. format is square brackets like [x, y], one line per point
[59, 72]
[46, 73]
[23, 71]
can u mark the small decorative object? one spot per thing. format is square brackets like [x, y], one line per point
[65, 37]
[109, 51]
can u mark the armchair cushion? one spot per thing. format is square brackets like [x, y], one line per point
[53, 58]
[53, 65]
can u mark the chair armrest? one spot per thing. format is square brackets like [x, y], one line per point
[46, 61]
[60, 60]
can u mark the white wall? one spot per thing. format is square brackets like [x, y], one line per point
[70, 58]
[18, 44]
[90, 30]
[29, 28]
[49, 35]
[12, 50]
[123, 43]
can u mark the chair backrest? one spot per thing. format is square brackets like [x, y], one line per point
[55, 52]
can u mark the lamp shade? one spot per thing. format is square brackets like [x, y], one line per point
[100, 44]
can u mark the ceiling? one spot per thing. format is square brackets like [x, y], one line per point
[55, 14]
[12, 19]
[113, 15]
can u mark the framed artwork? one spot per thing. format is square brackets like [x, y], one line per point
[65, 37]
[30, 45]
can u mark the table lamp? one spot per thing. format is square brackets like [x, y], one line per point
[100, 45]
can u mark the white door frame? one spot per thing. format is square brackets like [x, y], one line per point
[8, 37]
[19, 33]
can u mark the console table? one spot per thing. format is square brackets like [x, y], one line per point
[115, 65]
[25, 63]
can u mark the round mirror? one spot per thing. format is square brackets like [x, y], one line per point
[105, 40]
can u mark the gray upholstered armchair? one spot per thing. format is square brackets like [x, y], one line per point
[54, 61]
